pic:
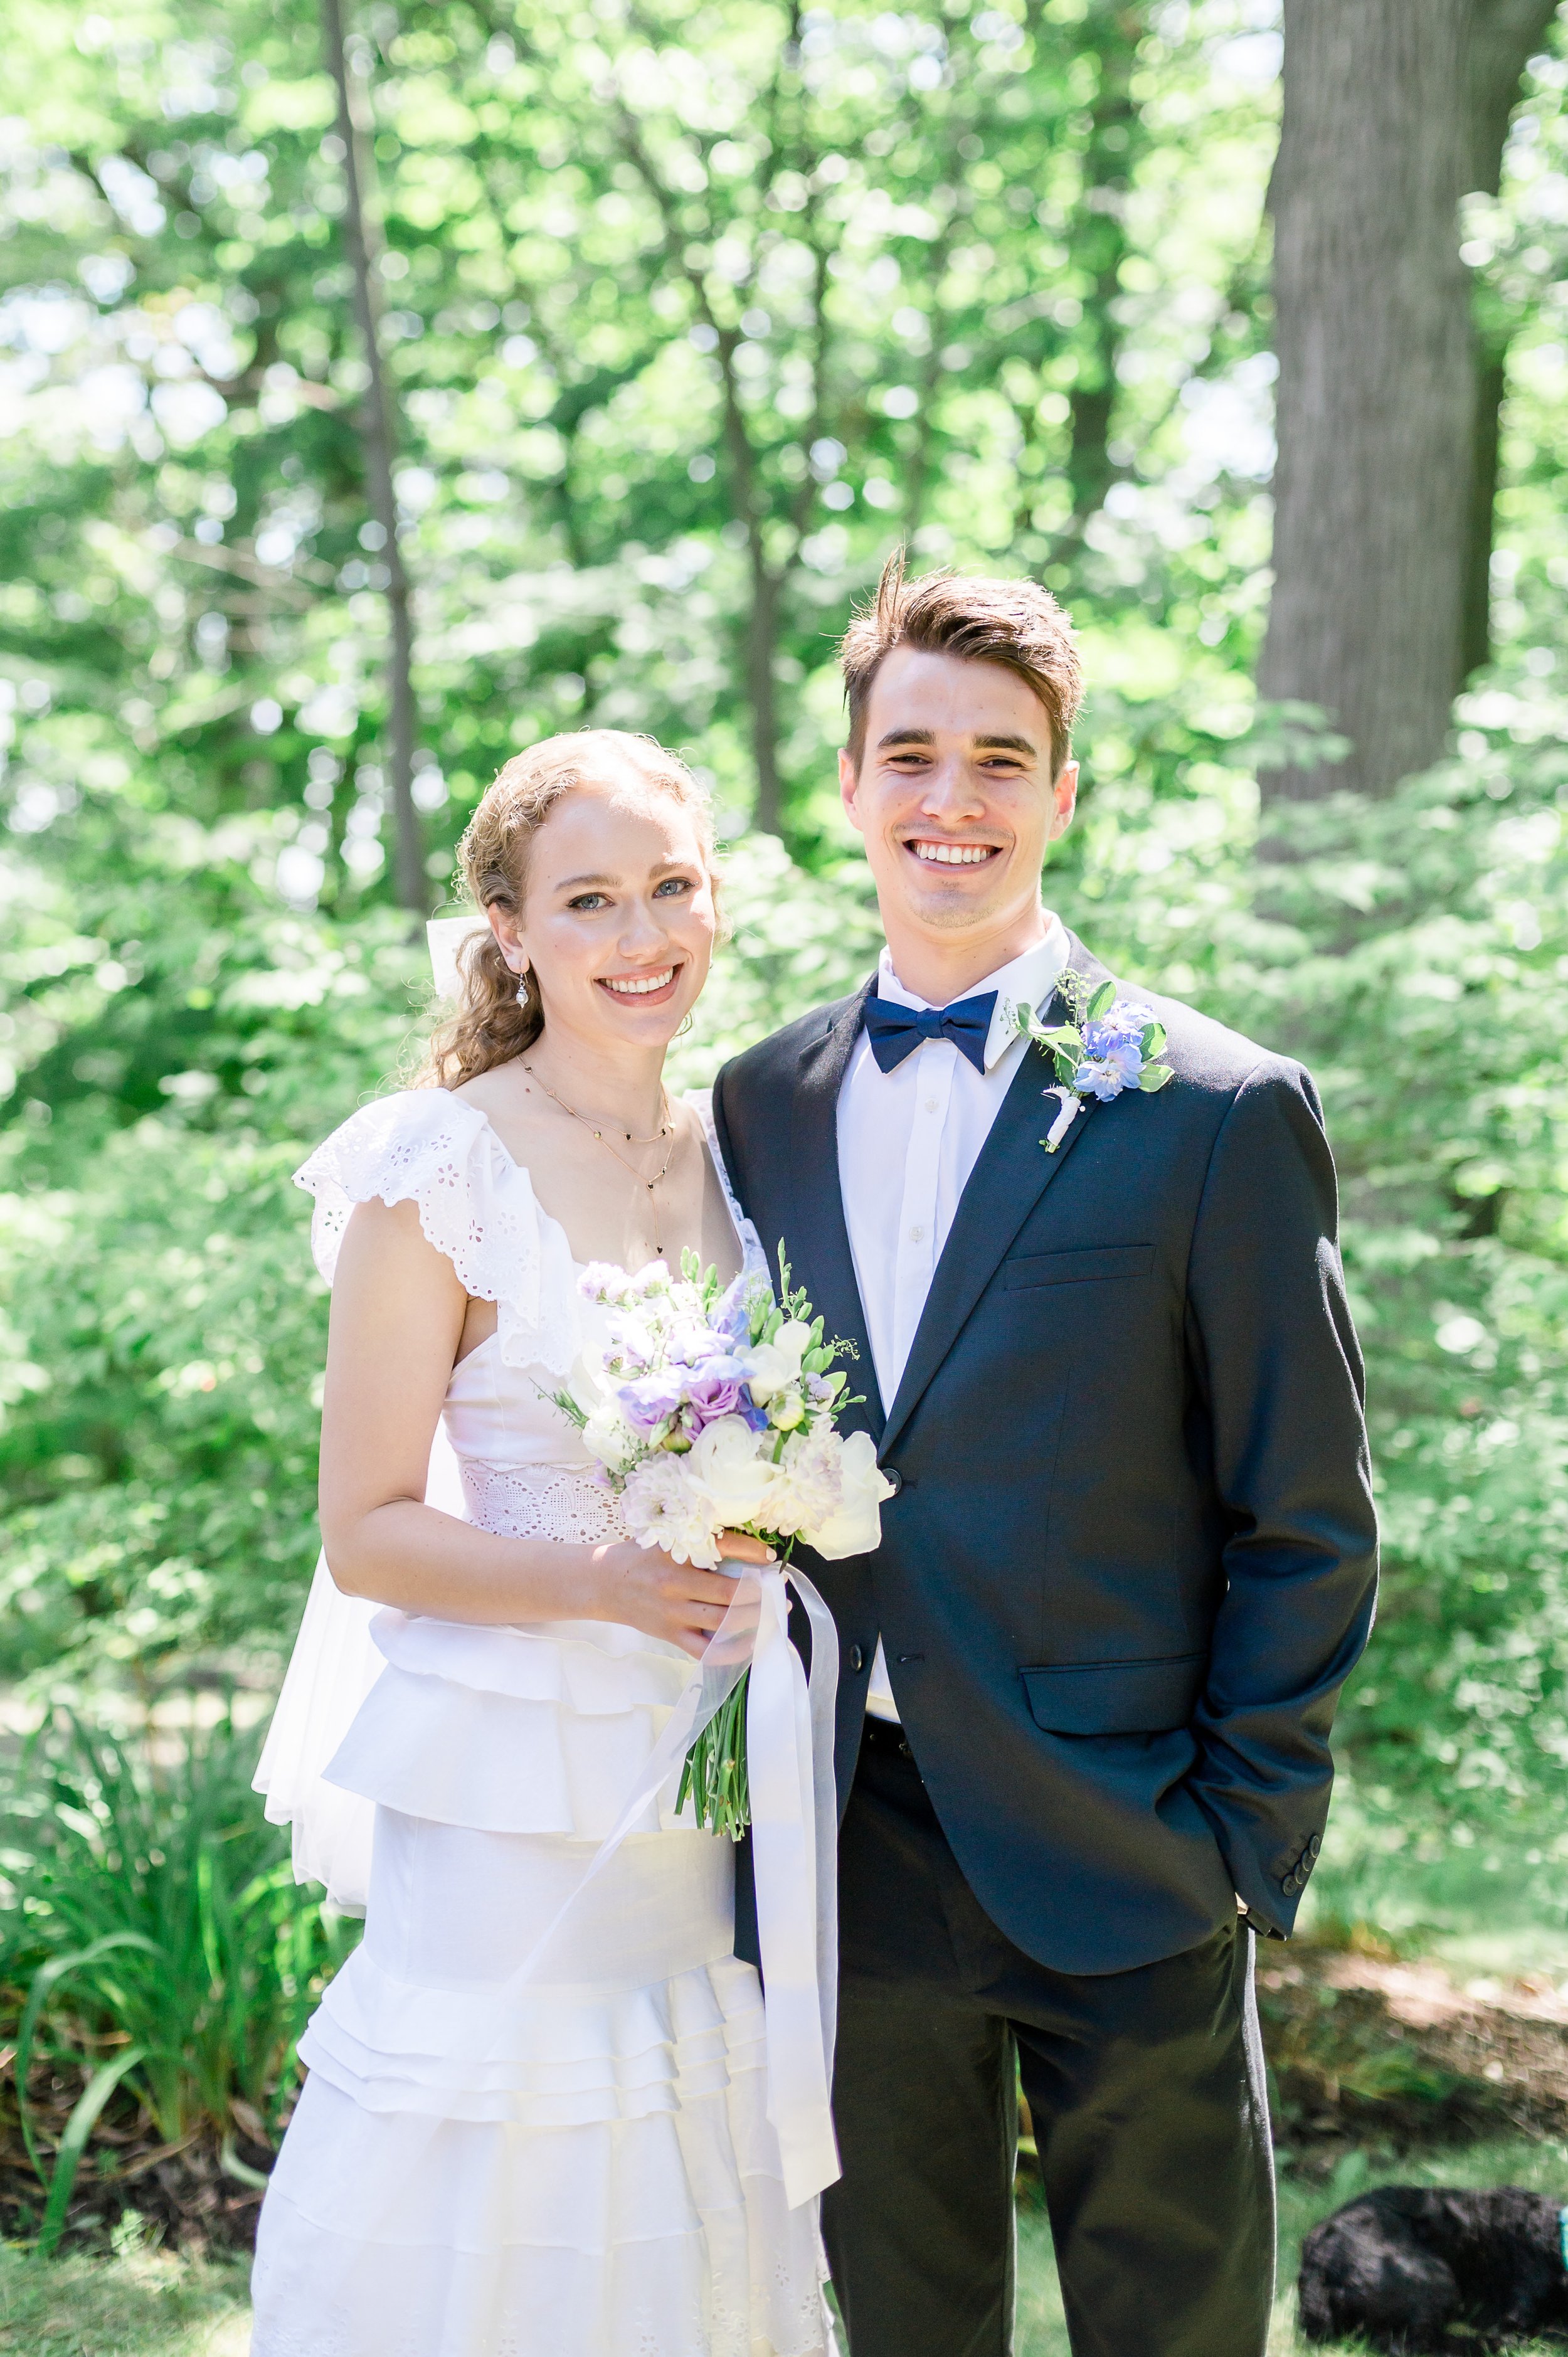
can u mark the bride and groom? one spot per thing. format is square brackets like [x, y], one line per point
[1085, 1680]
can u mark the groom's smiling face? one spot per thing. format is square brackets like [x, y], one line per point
[955, 797]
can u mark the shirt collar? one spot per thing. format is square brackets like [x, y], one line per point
[1031, 978]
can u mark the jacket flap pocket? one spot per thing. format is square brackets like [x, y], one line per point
[1115, 1697]
[1078, 1267]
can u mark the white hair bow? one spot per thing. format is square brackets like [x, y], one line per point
[445, 937]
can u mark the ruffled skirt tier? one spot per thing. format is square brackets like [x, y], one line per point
[580, 2167]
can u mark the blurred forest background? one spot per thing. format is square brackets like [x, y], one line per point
[380, 392]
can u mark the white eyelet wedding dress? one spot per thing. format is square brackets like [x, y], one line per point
[583, 2167]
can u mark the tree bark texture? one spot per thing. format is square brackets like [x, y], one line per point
[1504, 36]
[1389, 403]
[1377, 385]
[1112, 30]
[378, 444]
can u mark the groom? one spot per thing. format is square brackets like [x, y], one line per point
[1087, 1678]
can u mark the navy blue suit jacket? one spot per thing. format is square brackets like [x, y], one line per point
[1132, 1554]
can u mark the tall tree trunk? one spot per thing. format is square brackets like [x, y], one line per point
[1476, 584]
[378, 442]
[762, 692]
[1112, 31]
[1504, 36]
[1377, 386]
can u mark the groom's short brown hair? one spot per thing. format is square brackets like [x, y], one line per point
[988, 620]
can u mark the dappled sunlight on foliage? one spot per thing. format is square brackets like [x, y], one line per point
[689, 316]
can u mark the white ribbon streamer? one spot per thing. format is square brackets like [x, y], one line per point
[789, 1759]
[1072, 1105]
[794, 1834]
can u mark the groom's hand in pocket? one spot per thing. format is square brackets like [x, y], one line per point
[643, 1587]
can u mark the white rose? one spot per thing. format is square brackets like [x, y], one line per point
[855, 1527]
[607, 1435]
[727, 1458]
[772, 1366]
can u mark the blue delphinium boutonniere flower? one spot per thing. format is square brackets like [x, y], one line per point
[1106, 1046]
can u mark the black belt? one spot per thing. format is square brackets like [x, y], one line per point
[884, 1735]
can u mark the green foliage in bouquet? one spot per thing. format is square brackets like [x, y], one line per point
[714, 1778]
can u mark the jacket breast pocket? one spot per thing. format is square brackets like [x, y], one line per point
[1094, 1266]
[1115, 1697]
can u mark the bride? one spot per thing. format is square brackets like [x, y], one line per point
[581, 2164]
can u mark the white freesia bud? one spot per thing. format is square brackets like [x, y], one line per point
[727, 1459]
[773, 1366]
[855, 1527]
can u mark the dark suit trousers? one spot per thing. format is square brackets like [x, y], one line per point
[1146, 2089]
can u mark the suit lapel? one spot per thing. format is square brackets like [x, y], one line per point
[824, 1263]
[1007, 1181]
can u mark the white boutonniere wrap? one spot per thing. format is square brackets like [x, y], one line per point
[1108, 1046]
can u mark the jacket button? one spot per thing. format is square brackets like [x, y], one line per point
[1289, 1886]
[856, 1658]
[1315, 1847]
[891, 1473]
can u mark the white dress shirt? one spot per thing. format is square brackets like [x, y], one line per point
[907, 1141]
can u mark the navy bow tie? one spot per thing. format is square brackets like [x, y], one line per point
[896, 1032]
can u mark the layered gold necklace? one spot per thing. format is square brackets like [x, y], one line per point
[665, 1130]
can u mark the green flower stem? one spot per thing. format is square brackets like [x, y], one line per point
[715, 1775]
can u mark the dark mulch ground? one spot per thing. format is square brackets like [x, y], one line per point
[188, 2194]
[1363, 2052]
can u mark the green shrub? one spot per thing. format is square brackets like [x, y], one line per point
[154, 1941]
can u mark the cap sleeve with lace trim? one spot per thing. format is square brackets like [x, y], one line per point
[476, 1205]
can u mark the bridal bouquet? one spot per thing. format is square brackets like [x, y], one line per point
[712, 1408]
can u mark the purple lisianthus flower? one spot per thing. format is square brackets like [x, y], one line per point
[650, 1400]
[717, 1387]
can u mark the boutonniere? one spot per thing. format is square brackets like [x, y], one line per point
[1106, 1046]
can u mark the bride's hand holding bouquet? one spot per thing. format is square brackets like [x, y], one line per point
[713, 1410]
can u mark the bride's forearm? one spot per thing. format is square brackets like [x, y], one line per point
[421, 1560]
[414, 1557]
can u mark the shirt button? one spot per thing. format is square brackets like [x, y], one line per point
[916, 1235]
[931, 1104]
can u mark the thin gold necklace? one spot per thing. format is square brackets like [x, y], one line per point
[665, 1130]
[661, 1132]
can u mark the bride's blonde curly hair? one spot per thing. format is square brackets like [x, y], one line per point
[499, 1014]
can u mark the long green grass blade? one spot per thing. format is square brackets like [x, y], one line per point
[44, 1981]
[73, 2144]
[240, 2170]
